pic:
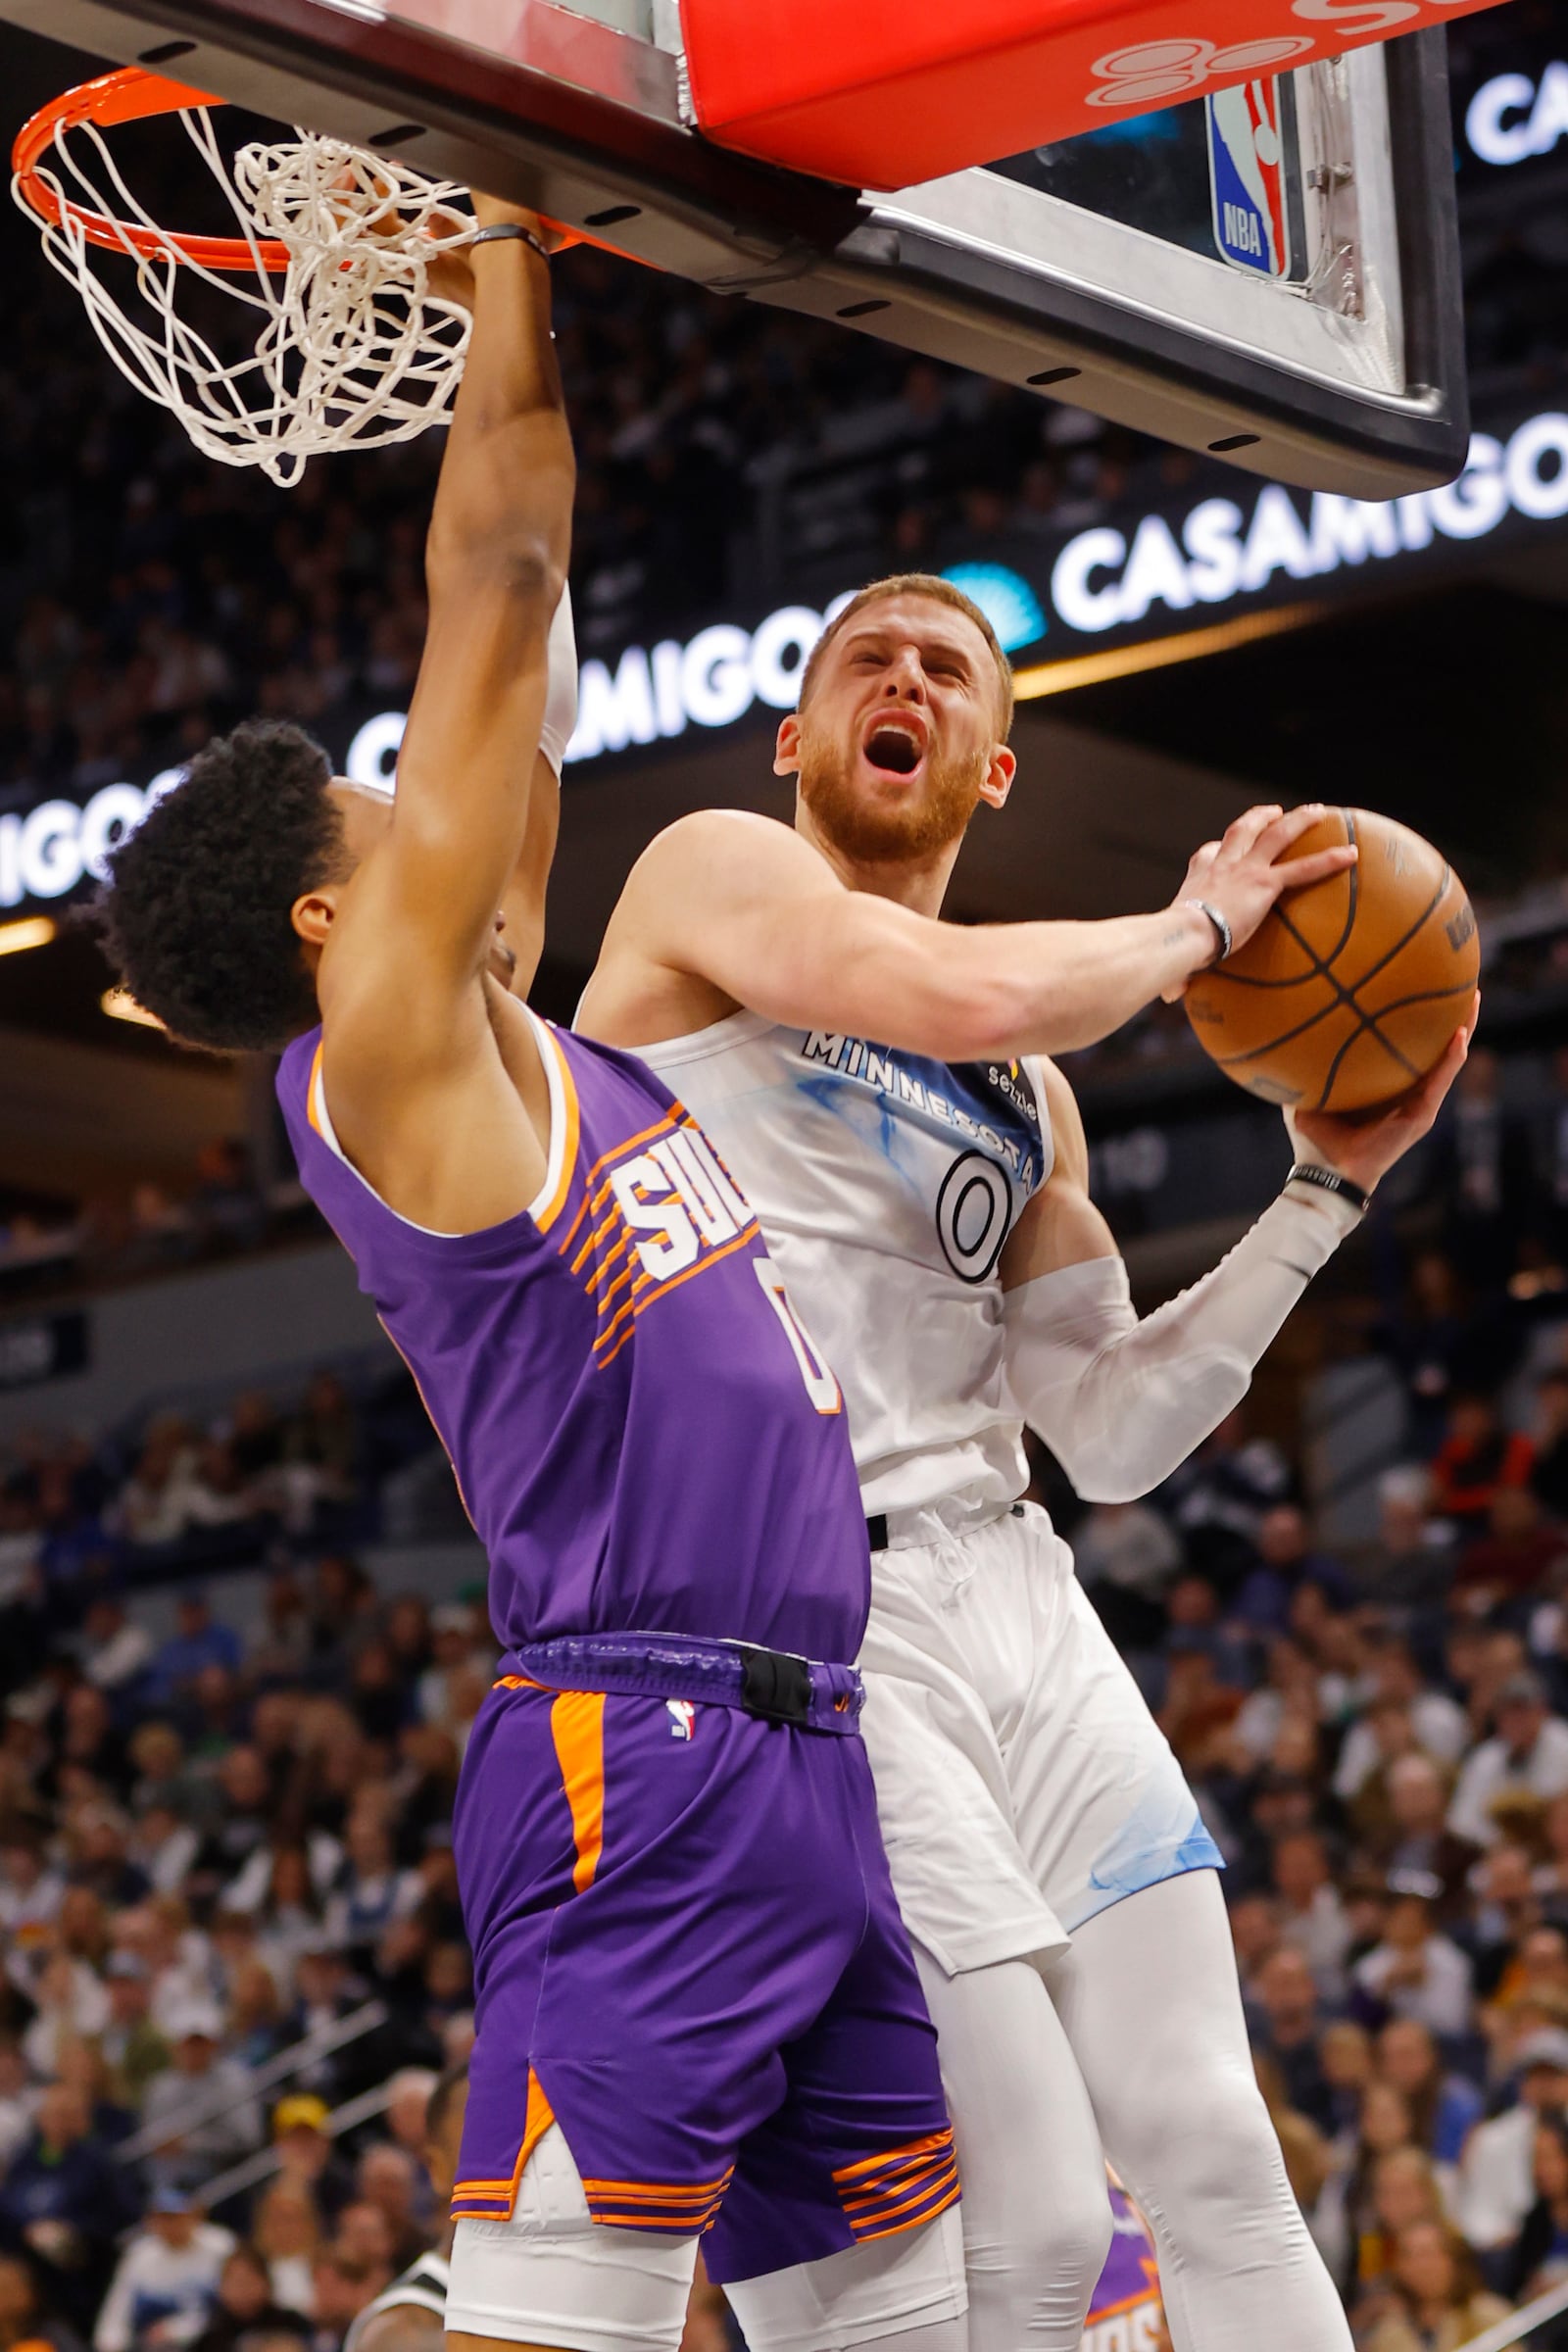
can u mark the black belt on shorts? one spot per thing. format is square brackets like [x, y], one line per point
[876, 1526]
[775, 1685]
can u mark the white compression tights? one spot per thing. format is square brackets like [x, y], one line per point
[1138, 2052]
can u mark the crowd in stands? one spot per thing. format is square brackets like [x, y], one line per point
[227, 1826]
[212, 1848]
[1378, 1732]
[228, 1835]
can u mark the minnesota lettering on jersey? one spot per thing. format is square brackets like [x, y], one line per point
[991, 1104]
[655, 1211]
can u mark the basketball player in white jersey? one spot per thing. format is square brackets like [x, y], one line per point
[925, 1196]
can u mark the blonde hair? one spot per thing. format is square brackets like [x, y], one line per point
[937, 591]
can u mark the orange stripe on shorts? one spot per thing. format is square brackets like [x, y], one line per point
[577, 1726]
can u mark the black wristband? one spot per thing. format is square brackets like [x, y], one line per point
[1329, 1180]
[509, 228]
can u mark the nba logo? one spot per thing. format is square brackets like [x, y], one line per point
[682, 1718]
[1247, 178]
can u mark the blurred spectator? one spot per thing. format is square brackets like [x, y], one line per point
[1514, 1558]
[1405, 2189]
[342, 2284]
[1415, 1971]
[244, 2305]
[1439, 2298]
[63, 2201]
[1527, 1753]
[1312, 1915]
[200, 1641]
[1549, 1475]
[1476, 1458]
[165, 2281]
[1220, 1498]
[287, 2235]
[1286, 2027]
[1437, 1725]
[387, 2178]
[1287, 1559]
[135, 2047]
[1432, 1342]
[16, 2105]
[171, 1491]
[24, 2322]
[1409, 1566]
[1482, 1172]
[203, 2110]
[114, 1652]
[1444, 2107]
[1128, 1556]
[1539, 2258]
[371, 1891]
[1496, 2172]
[307, 2158]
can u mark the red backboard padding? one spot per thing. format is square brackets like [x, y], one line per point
[883, 93]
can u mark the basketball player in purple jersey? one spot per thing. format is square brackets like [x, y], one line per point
[876, 1082]
[698, 2013]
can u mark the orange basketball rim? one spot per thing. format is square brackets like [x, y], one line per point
[132, 94]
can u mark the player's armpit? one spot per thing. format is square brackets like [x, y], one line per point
[1060, 1226]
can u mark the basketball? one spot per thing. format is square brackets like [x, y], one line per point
[1348, 992]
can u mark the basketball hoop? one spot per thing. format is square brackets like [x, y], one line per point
[332, 256]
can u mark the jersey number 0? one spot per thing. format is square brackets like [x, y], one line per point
[820, 1386]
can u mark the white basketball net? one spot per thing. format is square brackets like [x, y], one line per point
[351, 349]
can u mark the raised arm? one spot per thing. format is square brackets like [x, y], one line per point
[421, 922]
[726, 909]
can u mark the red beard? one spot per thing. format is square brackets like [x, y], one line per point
[897, 832]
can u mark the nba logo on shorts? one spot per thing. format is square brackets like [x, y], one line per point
[1247, 175]
[682, 1718]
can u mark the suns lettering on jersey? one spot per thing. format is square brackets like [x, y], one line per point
[655, 1212]
[1135, 2329]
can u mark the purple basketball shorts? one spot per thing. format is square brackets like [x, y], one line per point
[689, 1956]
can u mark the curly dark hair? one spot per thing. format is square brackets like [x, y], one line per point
[195, 916]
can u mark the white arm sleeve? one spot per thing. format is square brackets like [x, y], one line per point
[1120, 1403]
[560, 701]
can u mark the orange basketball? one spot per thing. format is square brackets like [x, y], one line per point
[1350, 989]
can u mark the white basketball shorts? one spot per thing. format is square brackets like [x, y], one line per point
[1022, 1783]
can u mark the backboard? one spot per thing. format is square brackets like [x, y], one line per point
[1269, 272]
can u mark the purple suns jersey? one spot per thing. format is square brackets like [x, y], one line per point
[644, 1436]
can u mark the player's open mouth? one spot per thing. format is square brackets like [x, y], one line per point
[895, 746]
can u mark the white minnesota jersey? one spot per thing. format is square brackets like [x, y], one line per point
[886, 1186]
